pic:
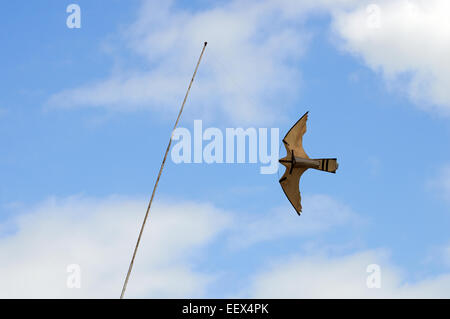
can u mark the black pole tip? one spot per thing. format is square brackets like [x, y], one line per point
[206, 43]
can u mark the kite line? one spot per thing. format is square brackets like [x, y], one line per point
[159, 175]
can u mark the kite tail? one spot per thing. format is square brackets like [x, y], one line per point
[328, 164]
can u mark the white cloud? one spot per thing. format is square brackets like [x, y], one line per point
[407, 41]
[439, 255]
[99, 235]
[246, 75]
[250, 71]
[320, 276]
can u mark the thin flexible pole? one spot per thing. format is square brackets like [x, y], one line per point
[159, 175]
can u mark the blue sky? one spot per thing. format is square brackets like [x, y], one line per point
[85, 116]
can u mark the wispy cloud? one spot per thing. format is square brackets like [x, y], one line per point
[98, 235]
[321, 213]
[246, 75]
[322, 276]
[408, 42]
[250, 73]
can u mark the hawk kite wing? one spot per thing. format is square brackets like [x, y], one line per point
[293, 141]
[294, 138]
[290, 184]
[297, 162]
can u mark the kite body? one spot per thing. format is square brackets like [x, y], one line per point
[297, 162]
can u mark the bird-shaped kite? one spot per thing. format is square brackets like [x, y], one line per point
[297, 162]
